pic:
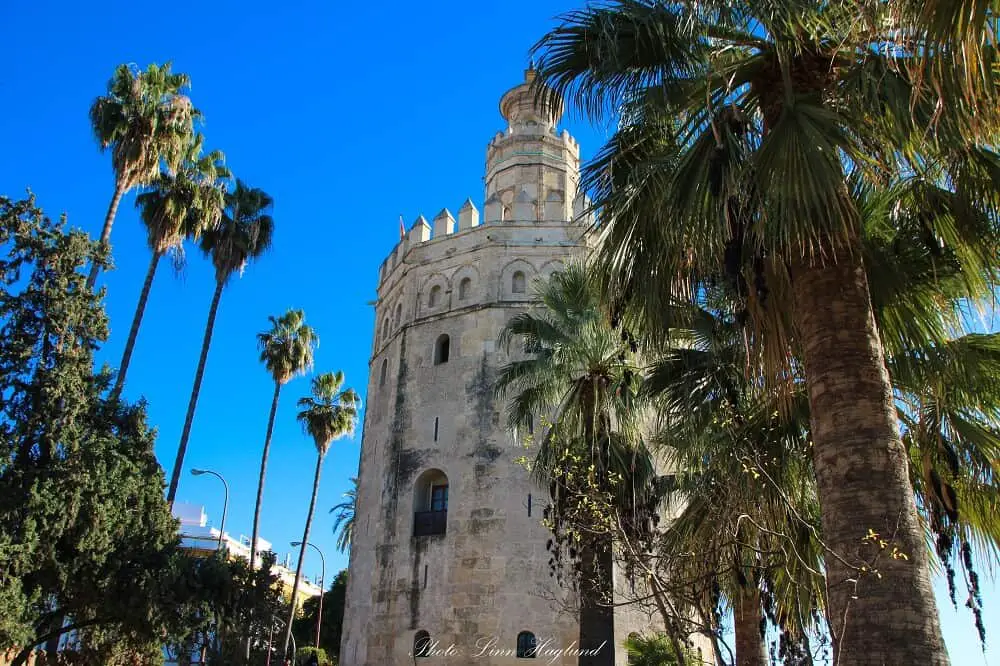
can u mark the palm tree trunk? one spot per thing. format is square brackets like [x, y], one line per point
[597, 618]
[109, 220]
[747, 617]
[189, 418]
[263, 469]
[888, 617]
[133, 333]
[260, 494]
[302, 552]
[52, 645]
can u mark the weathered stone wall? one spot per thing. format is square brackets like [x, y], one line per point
[488, 575]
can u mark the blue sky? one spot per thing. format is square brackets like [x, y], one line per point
[348, 115]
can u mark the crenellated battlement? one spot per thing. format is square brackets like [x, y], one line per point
[445, 225]
[529, 131]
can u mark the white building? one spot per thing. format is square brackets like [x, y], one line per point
[197, 535]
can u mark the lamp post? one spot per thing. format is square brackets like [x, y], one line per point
[322, 584]
[270, 637]
[225, 503]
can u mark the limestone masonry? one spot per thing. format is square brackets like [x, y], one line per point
[449, 551]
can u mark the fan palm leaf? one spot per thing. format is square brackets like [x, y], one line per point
[144, 119]
[346, 511]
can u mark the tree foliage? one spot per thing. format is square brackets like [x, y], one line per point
[85, 535]
[656, 650]
[287, 348]
[343, 526]
[328, 413]
[232, 603]
[304, 627]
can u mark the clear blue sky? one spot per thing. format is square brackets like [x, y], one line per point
[348, 115]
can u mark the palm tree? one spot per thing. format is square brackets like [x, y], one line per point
[946, 381]
[948, 397]
[949, 404]
[179, 205]
[655, 650]
[748, 522]
[143, 119]
[346, 517]
[328, 414]
[579, 375]
[286, 351]
[244, 233]
[744, 128]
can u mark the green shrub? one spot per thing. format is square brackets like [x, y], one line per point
[304, 654]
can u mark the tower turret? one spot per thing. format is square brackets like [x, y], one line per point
[532, 172]
[527, 108]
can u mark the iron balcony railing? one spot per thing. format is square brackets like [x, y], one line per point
[429, 523]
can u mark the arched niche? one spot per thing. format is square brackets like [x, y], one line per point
[430, 503]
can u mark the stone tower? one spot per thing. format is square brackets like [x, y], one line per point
[447, 542]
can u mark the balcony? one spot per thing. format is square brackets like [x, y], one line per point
[429, 523]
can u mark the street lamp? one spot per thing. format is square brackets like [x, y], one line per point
[322, 583]
[225, 503]
[270, 639]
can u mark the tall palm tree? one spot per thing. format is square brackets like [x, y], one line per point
[286, 350]
[764, 115]
[579, 376]
[328, 414]
[178, 205]
[947, 397]
[144, 119]
[946, 381]
[346, 514]
[244, 233]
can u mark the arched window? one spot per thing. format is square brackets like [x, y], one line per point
[526, 645]
[385, 329]
[430, 503]
[517, 282]
[382, 374]
[398, 316]
[464, 287]
[442, 349]
[421, 644]
[435, 298]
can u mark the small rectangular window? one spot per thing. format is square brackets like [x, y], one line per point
[439, 498]
[435, 428]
